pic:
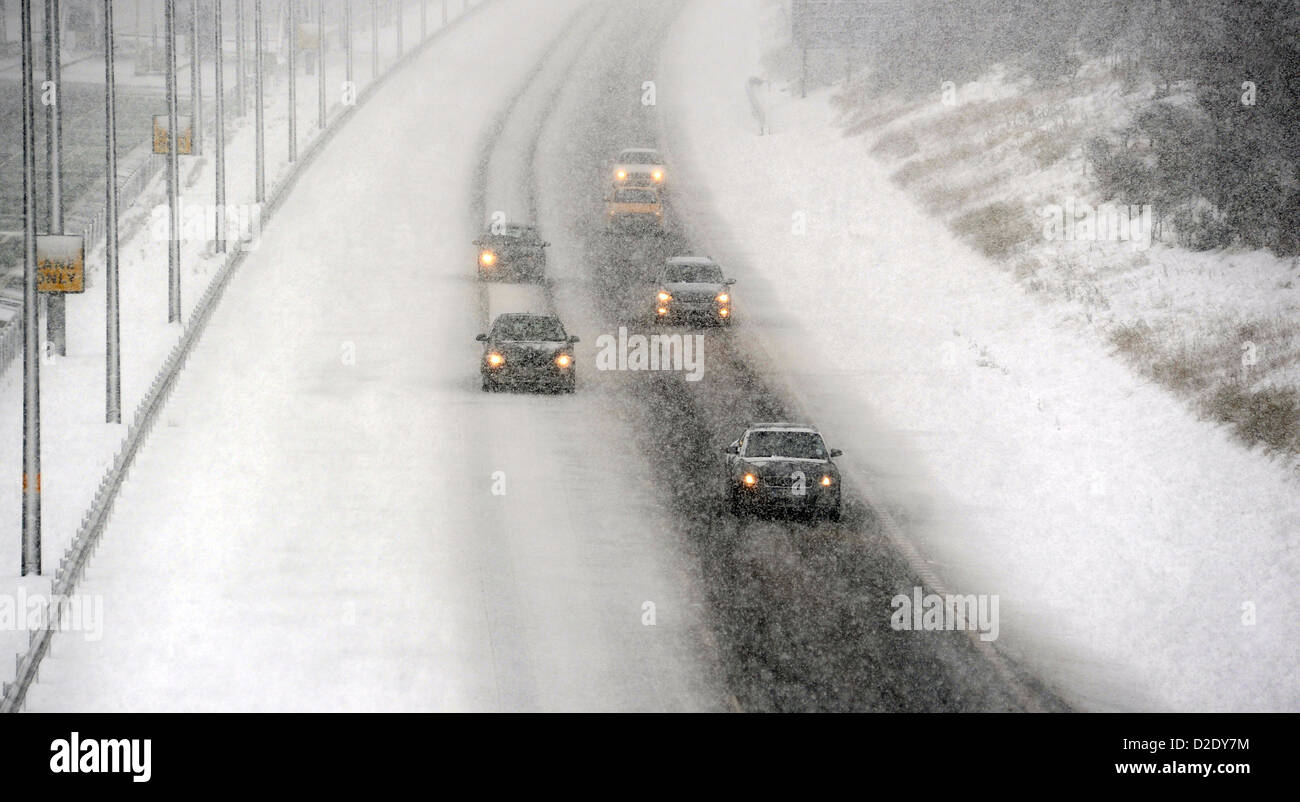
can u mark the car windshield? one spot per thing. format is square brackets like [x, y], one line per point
[802, 445]
[636, 196]
[546, 329]
[688, 274]
[635, 157]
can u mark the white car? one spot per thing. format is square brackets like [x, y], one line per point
[638, 167]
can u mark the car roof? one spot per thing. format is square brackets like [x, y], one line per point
[525, 315]
[689, 260]
[781, 426]
[513, 229]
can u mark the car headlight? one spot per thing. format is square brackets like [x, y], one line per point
[564, 360]
[723, 297]
[724, 312]
[495, 360]
[621, 175]
[826, 481]
[664, 297]
[657, 175]
[487, 258]
[749, 479]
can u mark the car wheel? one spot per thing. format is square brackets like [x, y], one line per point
[833, 514]
[733, 503]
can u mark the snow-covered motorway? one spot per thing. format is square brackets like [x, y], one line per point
[313, 526]
[333, 516]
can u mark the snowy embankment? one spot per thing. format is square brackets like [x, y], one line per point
[77, 446]
[1144, 559]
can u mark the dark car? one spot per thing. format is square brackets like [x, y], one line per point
[692, 288]
[512, 252]
[528, 350]
[783, 466]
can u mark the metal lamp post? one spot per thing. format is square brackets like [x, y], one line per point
[320, 64]
[293, 80]
[54, 303]
[173, 169]
[31, 557]
[259, 111]
[196, 82]
[112, 350]
[219, 90]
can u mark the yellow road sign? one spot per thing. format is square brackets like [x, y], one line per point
[60, 264]
[183, 142]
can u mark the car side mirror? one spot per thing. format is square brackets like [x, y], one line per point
[481, 338]
[729, 281]
[546, 244]
[731, 449]
[573, 338]
[835, 452]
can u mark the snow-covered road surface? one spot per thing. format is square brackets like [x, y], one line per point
[313, 524]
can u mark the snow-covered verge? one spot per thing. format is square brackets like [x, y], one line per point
[1144, 559]
[77, 446]
[1001, 160]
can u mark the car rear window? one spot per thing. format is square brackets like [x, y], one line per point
[801, 445]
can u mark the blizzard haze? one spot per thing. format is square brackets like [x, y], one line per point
[1001, 295]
